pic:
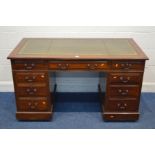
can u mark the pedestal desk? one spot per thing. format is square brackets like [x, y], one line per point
[121, 59]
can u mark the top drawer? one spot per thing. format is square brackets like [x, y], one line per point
[127, 65]
[29, 65]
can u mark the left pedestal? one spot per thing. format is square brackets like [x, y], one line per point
[31, 84]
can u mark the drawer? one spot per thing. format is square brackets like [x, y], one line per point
[127, 65]
[29, 77]
[29, 65]
[78, 66]
[121, 116]
[33, 104]
[124, 91]
[32, 91]
[121, 105]
[125, 78]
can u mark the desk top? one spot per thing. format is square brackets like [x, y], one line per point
[77, 48]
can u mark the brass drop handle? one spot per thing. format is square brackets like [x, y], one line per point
[35, 103]
[126, 65]
[124, 80]
[122, 106]
[92, 66]
[30, 79]
[123, 92]
[112, 116]
[63, 66]
[29, 66]
[31, 91]
[33, 106]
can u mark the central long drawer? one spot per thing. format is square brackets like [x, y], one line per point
[78, 65]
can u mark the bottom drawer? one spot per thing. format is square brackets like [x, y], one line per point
[121, 116]
[33, 104]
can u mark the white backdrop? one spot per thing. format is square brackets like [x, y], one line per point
[10, 36]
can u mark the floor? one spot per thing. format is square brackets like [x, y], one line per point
[76, 111]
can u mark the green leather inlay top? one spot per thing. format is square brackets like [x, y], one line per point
[73, 47]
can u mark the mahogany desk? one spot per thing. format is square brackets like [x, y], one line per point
[121, 59]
